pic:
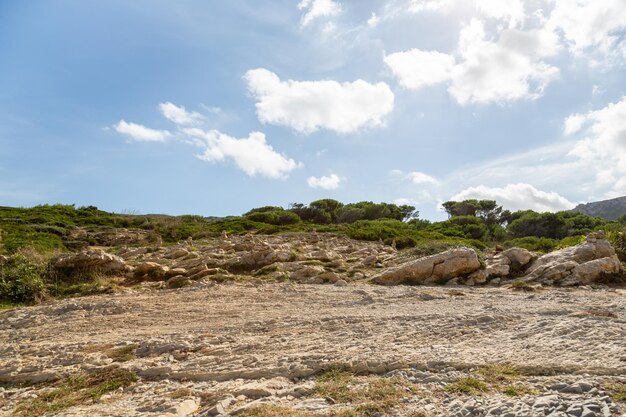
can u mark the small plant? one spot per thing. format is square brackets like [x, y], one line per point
[468, 385]
[122, 354]
[498, 373]
[617, 391]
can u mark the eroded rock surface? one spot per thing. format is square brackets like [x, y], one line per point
[582, 264]
[437, 268]
[220, 349]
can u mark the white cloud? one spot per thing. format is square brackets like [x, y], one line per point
[415, 68]
[586, 23]
[253, 154]
[502, 9]
[421, 178]
[574, 123]
[141, 133]
[501, 71]
[330, 182]
[307, 106]
[517, 197]
[417, 6]
[373, 20]
[318, 8]
[604, 145]
[179, 115]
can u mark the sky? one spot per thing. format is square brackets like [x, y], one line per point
[214, 107]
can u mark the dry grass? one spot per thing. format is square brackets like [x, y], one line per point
[122, 354]
[617, 391]
[500, 377]
[468, 385]
[181, 393]
[365, 396]
[597, 313]
[269, 410]
[76, 389]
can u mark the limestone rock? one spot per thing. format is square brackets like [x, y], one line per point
[260, 389]
[442, 266]
[306, 272]
[151, 270]
[582, 264]
[88, 260]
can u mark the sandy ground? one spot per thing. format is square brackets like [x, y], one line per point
[213, 338]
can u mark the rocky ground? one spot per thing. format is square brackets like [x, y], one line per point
[266, 348]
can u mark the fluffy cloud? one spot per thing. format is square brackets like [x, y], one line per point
[330, 182]
[318, 8]
[573, 123]
[517, 197]
[421, 178]
[141, 133]
[604, 145]
[503, 70]
[502, 9]
[586, 23]
[253, 154]
[415, 68]
[179, 115]
[307, 106]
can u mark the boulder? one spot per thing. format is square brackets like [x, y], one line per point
[151, 270]
[512, 261]
[94, 260]
[435, 268]
[585, 263]
[306, 272]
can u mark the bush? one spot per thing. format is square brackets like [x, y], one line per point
[533, 243]
[21, 280]
[276, 217]
[469, 227]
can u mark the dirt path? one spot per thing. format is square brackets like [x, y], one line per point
[213, 339]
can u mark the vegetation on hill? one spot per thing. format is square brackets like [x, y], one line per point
[32, 235]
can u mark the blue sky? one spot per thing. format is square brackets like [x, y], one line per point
[214, 107]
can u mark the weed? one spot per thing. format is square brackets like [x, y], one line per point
[517, 390]
[617, 391]
[122, 354]
[498, 373]
[468, 385]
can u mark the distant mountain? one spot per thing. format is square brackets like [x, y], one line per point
[607, 209]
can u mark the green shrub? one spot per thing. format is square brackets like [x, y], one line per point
[276, 217]
[533, 243]
[570, 241]
[21, 280]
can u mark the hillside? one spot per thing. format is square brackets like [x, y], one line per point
[611, 209]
